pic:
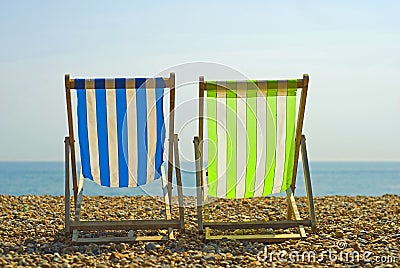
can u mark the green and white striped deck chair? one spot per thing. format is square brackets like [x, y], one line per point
[254, 135]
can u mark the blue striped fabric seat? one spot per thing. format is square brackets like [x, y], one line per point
[121, 130]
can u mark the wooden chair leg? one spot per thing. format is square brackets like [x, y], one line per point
[164, 184]
[167, 200]
[289, 212]
[170, 169]
[179, 182]
[67, 188]
[204, 190]
[198, 185]
[307, 180]
[295, 211]
[75, 232]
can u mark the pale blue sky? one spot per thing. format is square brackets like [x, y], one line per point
[351, 49]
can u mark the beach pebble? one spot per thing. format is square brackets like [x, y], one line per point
[339, 234]
[151, 246]
[32, 235]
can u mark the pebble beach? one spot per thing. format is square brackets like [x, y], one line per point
[358, 231]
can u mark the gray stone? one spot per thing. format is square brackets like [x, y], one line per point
[151, 246]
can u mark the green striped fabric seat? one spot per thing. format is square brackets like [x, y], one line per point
[251, 137]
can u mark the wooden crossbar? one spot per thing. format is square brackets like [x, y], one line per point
[117, 239]
[261, 84]
[130, 83]
[255, 237]
[257, 224]
[124, 225]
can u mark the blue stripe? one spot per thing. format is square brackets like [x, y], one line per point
[121, 132]
[101, 113]
[141, 130]
[140, 83]
[160, 82]
[160, 128]
[79, 83]
[83, 132]
[120, 83]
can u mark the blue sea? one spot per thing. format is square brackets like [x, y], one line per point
[328, 178]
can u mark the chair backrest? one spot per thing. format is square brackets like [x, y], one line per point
[121, 128]
[252, 138]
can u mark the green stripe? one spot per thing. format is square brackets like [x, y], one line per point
[251, 128]
[212, 138]
[271, 137]
[231, 139]
[290, 129]
[273, 84]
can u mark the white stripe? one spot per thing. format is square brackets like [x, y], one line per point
[222, 141]
[261, 143]
[151, 128]
[131, 127]
[92, 134]
[112, 137]
[241, 142]
[280, 136]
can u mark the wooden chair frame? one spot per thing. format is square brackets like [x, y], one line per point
[75, 225]
[293, 216]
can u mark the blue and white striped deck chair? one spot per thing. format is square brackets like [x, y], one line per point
[120, 126]
[253, 144]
